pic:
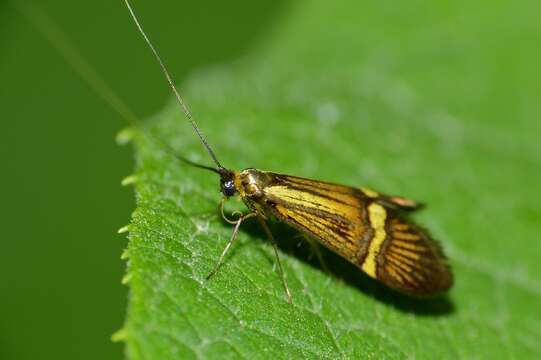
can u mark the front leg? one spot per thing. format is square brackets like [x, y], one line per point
[230, 242]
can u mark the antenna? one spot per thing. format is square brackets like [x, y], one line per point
[175, 91]
[58, 39]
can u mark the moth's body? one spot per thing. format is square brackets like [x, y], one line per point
[366, 228]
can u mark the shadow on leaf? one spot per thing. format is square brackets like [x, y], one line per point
[291, 241]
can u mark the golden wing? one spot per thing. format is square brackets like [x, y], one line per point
[368, 229]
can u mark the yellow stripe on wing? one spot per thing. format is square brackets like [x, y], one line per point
[377, 216]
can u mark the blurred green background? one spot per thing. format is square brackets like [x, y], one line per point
[60, 290]
[62, 202]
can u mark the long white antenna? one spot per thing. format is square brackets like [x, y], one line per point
[172, 85]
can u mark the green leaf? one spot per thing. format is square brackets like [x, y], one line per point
[437, 102]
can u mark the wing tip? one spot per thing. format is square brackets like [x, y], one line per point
[412, 262]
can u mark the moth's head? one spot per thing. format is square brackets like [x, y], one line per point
[227, 182]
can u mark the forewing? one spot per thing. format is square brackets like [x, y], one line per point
[335, 215]
[370, 230]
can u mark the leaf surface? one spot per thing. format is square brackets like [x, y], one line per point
[436, 102]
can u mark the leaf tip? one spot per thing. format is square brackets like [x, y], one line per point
[124, 136]
[129, 180]
[126, 279]
[123, 229]
[119, 335]
[125, 254]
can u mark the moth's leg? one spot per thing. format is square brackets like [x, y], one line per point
[232, 222]
[275, 247]
[316, 249]
[228, 245]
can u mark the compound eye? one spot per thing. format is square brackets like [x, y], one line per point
[229, 188]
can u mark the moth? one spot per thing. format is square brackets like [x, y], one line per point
[370, 230]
